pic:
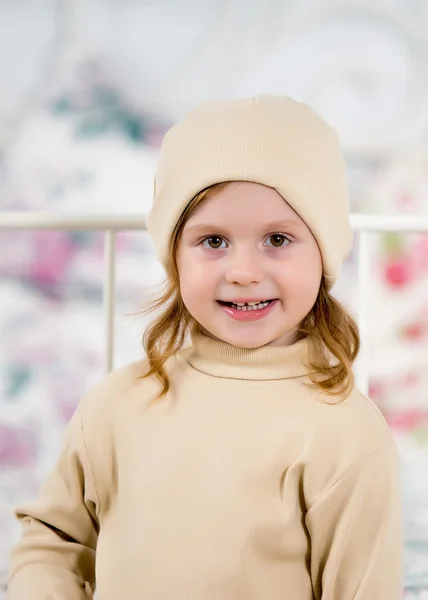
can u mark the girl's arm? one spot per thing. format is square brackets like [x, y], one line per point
[55, 557]
[356, 532]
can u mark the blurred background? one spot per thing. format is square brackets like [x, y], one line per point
[87, 90]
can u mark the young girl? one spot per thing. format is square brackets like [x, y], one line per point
[243, 464]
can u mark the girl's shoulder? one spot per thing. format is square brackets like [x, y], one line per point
[343, 436]
[353, 412]
[119, 390]
[360, 412]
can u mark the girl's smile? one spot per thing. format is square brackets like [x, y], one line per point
[248, 311]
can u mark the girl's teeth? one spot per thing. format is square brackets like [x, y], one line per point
[250, 305]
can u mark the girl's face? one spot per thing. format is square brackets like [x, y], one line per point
[245, 244]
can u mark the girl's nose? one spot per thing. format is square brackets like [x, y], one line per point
[244, 270]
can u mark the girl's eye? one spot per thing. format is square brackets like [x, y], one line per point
[214, 242]
[277, 240]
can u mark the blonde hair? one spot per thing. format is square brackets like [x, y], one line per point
[333, 331]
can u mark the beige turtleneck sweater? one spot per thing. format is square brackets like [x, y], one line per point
[243, 483]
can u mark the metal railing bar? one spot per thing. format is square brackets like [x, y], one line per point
[364, 270]
[109, 297]
[77, 222]
[132, 222]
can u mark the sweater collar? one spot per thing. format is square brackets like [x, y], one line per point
[220, 359]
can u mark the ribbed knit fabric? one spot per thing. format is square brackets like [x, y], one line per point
[271, 140]
[242, 483]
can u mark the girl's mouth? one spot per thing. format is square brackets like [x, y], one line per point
[247, 311]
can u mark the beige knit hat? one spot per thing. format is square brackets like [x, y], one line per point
[271, 140]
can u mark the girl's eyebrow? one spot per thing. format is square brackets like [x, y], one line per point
[274, 226]
[199, 227]
[284, 224]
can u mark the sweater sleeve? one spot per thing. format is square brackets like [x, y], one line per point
[355, 531]
[55, 557]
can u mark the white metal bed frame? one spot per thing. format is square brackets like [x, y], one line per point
[111, 224]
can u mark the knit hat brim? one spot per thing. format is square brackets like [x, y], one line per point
[250, 148]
